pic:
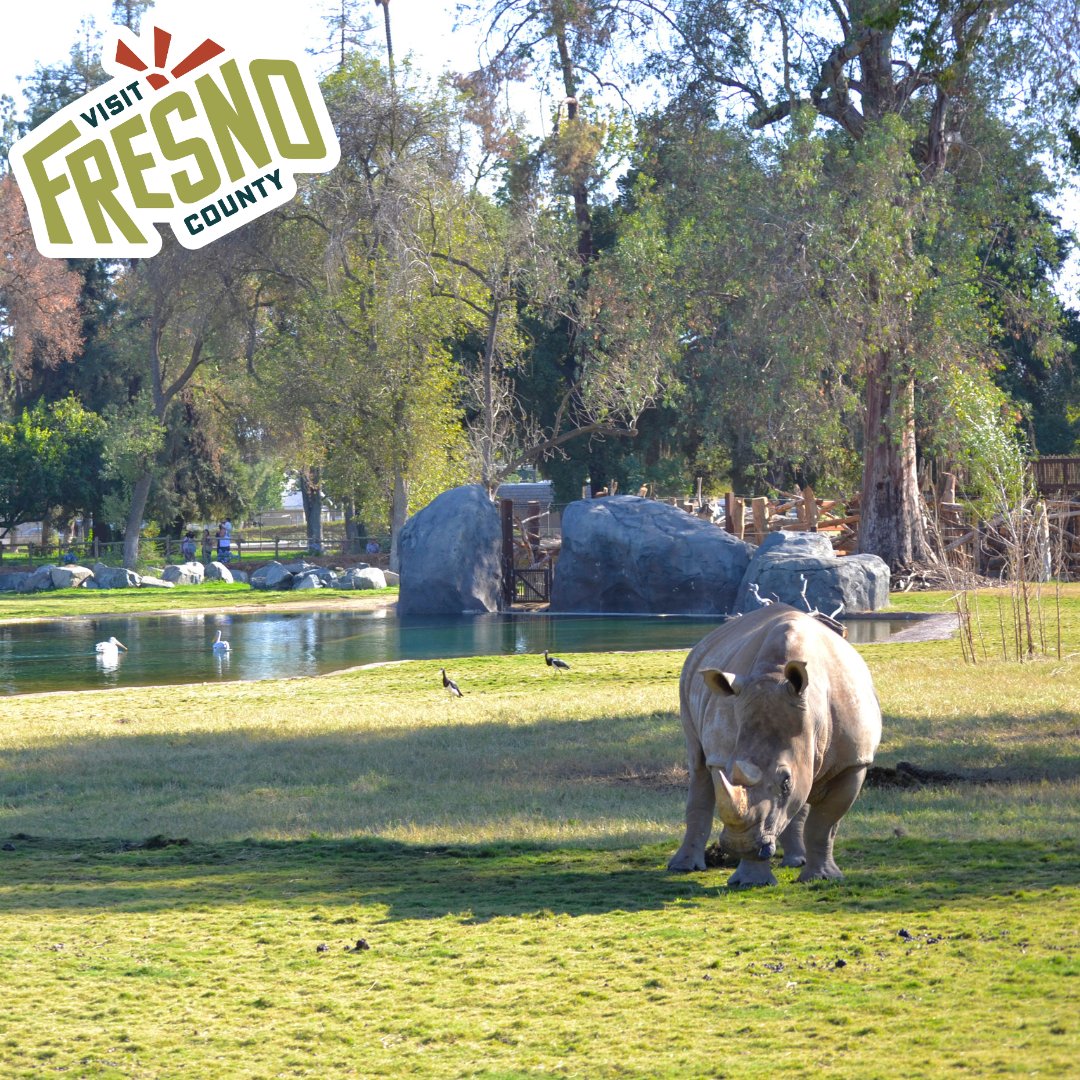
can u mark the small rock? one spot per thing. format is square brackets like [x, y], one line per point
[905, 935]
[899, 832]
[9, 847]
[361, 944]
[322, 948]
[841, 963]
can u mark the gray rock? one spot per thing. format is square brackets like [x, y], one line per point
[451, 555]
[371, 577]
[626, 554]
[271, 576]
[70, 577]
[11, 582]
[41, 578]
[115, 577]
[240, 576]
[217, 571]
[189, 573]
[306, 581]
[858, 582]
[391, 578]
[148, 582]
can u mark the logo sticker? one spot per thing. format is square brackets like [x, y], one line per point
[186, 134]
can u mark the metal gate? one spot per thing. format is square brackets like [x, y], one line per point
[532, 586]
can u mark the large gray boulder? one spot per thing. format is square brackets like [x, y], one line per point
[115, 577]
[188, 573]
[69, 577]
[218, 571]
[364, 577]
[11, 582]
[785, 559]
[451, 556]
[271, 576]
[625, 554]
[41, 578]
[306, 581]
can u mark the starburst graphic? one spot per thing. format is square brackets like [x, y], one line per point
[162, 40]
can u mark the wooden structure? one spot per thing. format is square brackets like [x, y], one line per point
[1057, 476]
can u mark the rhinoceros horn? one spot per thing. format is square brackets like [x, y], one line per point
[746, 773]
[731, 800]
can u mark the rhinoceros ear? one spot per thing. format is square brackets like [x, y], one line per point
[722, 682]
[795, 673]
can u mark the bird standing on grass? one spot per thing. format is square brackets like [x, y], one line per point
[220, 646]
[555, 662]
[451, 687]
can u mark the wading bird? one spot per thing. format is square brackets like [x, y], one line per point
[220, 646]
[111, 647]
[555, 662]
[451, 687]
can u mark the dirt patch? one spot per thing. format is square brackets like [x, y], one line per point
[906, 775]
[674, 778]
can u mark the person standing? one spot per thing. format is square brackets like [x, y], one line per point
[207, 546]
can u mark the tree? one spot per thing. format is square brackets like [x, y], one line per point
[870, 70]
[50, 457]
[39, 313]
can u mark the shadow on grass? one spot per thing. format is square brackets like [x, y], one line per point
[477, 883]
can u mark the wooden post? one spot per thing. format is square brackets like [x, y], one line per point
[729, 511]
[697, 498]
[809, 509]
[761, 524]
[738, 516]
[506, 515]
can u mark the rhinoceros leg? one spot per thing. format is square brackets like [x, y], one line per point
[821, 822]
[700, 800]
[752, 872]
[791, 839]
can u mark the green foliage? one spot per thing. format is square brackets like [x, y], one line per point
[50, 457]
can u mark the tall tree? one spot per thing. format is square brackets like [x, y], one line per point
[857, 64]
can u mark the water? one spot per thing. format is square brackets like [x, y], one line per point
[167, 649]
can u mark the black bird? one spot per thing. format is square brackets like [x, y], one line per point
[555, 662]
[452, 687]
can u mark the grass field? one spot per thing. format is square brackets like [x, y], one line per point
[187, 872]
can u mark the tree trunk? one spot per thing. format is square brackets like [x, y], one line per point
[352, 536]
[399, 511]
[311, 493]
[139, 496]
[891, 511]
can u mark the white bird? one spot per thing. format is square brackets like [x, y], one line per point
[218, 645]
[111, 647]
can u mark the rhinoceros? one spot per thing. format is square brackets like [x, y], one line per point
[781, 723]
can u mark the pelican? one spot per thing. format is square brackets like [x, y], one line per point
[110, 648]
[452, 687]
[556, 663]
[220, 646]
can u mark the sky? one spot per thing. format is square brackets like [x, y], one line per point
[43, 32]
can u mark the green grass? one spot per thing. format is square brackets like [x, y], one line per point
[211, 594]
[503, 856]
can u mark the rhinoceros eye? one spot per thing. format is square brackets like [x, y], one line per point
[785, 784]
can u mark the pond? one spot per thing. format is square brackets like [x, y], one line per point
[164, 649]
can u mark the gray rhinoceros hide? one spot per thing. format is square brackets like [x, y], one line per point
[855, 582]
[451, 555]
[626, 554]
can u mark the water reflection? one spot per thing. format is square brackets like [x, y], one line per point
[176, 648]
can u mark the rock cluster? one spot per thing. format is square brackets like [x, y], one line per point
[305, 575]
[101, 576]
